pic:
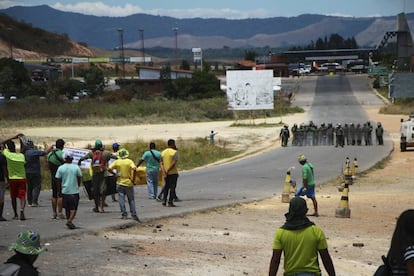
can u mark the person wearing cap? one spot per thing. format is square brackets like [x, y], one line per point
[169, 159]
[125, 169]
[33, 174]
[15, 175]
[308, 180]
[300, 240]
[99, 176]
[152, 159]
[27, 248]
[69, 176]
[55, 159]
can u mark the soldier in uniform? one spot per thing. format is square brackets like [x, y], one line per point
[330, 133]
[284, 135]
[294, 135]
[358, 133]
[368, 138]
[323, 135]
[346, 134]
[339, 133]
[352, 134]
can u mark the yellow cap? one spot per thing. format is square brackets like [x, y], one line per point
[302, 158]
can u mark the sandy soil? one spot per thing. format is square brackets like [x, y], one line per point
[237, 240]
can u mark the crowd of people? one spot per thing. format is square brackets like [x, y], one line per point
[115, 171]
[349, 134]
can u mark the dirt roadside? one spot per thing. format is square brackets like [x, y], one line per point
[237, 240]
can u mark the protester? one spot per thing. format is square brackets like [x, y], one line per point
[27, 249]
[125, 168]
[16, 176]
[308, 180]
[33, 174]
[300, 240]
[169, 159]
[212, 134]
[401, 253]
[70, 178]
[3, 173]
[152, 159]
[100, 158]
[55, 159]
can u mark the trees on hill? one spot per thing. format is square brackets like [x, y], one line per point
[335, 41]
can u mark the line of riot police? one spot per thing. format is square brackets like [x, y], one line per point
[329, 135]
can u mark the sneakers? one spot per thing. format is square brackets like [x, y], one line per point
[34, 205]
[16, 217]
[3, 219]
[177, 199]
[22, 217]
[171, 205]
[70, 225]
[54, 216]
[124, 217]
[134, 217]
[61, 216]
[95, 210]
[164, 203]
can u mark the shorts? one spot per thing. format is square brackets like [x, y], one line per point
[2, 189]
[17, 188]
[310, 191]
[56, 187]
[70, 202]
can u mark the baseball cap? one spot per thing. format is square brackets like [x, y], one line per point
[68, 156]
[302, 158]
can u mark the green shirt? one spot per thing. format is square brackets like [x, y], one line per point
[307, 173]
[15, 164]
[300, 249]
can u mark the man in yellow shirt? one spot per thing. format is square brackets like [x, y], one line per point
[300, 240]
[125, 170]
[169, 159]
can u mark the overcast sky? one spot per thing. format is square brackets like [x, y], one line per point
[230, 9]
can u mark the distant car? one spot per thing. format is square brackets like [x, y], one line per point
[13, 98]
[304, 71]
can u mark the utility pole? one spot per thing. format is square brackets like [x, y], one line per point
[10, 42]
[142, 45]
[175, 30]
[121, 36]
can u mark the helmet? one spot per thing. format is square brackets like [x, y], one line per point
[116, 146]
[123, 153]
[302, 158]
[98, 144]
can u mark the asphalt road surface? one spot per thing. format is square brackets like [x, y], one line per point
[328, 99]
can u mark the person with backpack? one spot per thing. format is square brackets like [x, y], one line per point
[99, 164]
[55, 159]
[27, 249]
[152, 159]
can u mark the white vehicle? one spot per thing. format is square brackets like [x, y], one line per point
[305, 70]
[407, 133]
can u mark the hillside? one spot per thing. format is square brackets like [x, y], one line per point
[32, 42]
[215, 33]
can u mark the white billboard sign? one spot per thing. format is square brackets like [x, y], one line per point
[249, 89]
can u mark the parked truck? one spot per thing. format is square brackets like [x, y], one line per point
[407, 133]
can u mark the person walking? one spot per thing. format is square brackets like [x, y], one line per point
[100, 158]
[169, 159]
[55, 159]
[152, 159]
[33, 174]
[16, 176]
[308, 186]
[125, 169]
[379, 132]
[70, 178]
[300, 240]
[111, 179]
[3, 173]
[27, 249]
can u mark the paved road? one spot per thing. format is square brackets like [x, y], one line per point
[326, 99]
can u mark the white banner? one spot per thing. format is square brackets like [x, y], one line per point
[250, 89]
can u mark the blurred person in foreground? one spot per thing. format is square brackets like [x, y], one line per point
[27, 249]
[401, 254]
[300, 240]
